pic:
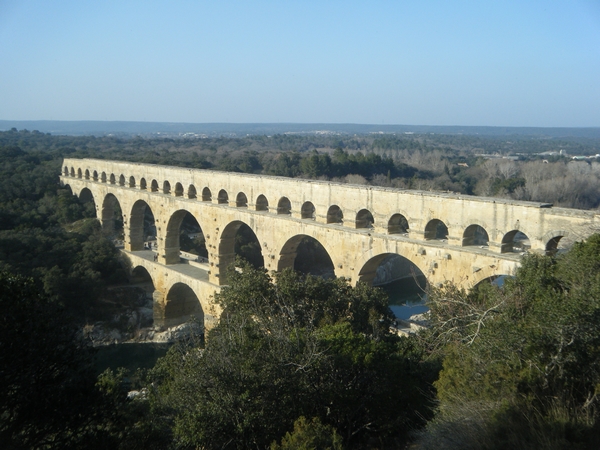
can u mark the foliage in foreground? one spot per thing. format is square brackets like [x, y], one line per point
[521, 364]
[298, 347]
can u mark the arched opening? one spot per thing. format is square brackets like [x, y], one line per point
[166, 187]
[113, 180]
[87, 174]
[553, 246]
[122, 180]
[131, 182]
[112, 217]
[181, 306]
[238, 239]
[364, 219]
[154, 186]
[73, 171]
[143, 185]
[223, 198]
[262, 204]
[79, 175]
[308, 211]
[86, 198]
[191, 192]
[284, 206]
[335, 215]
[141, 279]
[142, 227]
[241, 201]
[184, 234]
[475, 235]
[192, 240]
[306, 255]
[95, 176]
[397, 224]
[436, 230]
[515, 241]
[103, 177]
[206, 195]
[178, 190]
[66, 171]
[401, 279]
[494, 280]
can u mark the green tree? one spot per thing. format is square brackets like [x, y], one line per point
[295, 347]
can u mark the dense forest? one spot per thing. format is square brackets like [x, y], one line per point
[301, 362]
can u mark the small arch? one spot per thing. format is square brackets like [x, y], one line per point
[397, 224]
[436, 230]
[178, 190]
[131, 182]
[223, 198]
[552, 245]
[73, 172]
[181, 305]
[87, 174]
[191, 194]
[241, 201]
[103, 177]
[364, 219]
[515, 241]
[475, 235]
[122, 180]
[79, 174]
[335, 215]
[143, 186]
[206, 195]
[113, 180]
[262, 204]
[95, 176]
[154, 186]
[308, 211]
[66, 171]
[284, 206]
[166, 187]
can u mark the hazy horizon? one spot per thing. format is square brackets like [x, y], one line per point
[435, 63]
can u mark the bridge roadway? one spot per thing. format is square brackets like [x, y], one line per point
[442, 236]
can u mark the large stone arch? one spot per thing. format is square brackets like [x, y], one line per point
[172, 239]
[111, 216]
[86, 196]
[403, 268]
[290, 251]
[140, 214]
[228, 248]
[181, 305]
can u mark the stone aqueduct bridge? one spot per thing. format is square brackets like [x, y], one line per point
[460, 238]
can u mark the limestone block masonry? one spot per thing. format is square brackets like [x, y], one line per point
[460, 238]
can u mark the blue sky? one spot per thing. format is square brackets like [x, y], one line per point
[427, 62]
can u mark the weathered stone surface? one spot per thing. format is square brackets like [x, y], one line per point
[281, 210]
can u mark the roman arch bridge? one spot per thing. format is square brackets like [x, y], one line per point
[440, 236]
